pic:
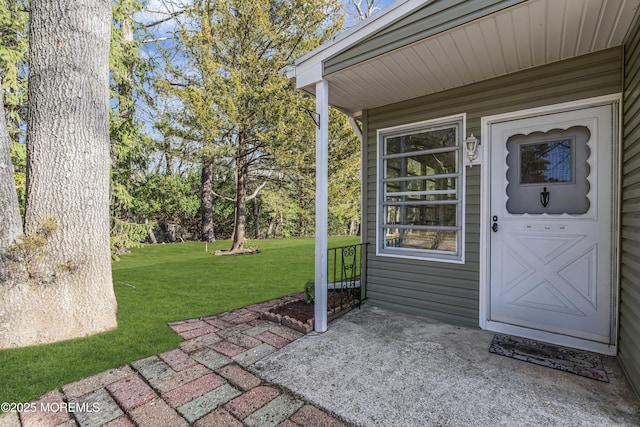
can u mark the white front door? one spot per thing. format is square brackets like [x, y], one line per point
[551, 210]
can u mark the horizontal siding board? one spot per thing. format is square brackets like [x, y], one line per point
[585, 76]
[632, 73]
[631, 178]
[630, 170]
[401, 265]
[632, 150]
[629, 300]
[628, 344]
[582, 77]
[631, 222]
[476, 103]
[456, 279]
[630, 206]
[435, 294]
[417, 281]
[631, 165]
[631, 192]
[629, 235]
[453, 314]
[629, 322]
[631, 126]
[630, 267]
[631, 110]
[457, 299]
[632, 59]
[454, 319]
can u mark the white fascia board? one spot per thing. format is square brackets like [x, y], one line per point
[309, 68]
[308, 74]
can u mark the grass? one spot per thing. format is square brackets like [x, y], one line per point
[154, 285]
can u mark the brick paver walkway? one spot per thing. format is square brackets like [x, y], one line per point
[204, 382]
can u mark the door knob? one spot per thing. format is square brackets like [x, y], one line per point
[494, 227]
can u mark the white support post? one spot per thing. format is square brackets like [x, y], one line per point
[322, 205]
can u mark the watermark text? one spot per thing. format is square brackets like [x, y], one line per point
[50, 407]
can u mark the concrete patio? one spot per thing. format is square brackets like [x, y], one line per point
[373, 367]
[376, 367]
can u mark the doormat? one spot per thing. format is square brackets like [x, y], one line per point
[552, 356]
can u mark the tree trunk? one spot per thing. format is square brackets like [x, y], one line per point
[301, 220]
[278, 224]
[256, 218]
[9, 207]
[301, 229]
[168, 157]
[206, 206]
[271, 228]
[151, 235]
[67, 176]
[354, 227]
[241, 197]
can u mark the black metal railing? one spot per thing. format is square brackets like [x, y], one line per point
[347, 278]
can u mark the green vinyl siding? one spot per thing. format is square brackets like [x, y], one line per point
[629, 323]
[435, 17]
[450, 292]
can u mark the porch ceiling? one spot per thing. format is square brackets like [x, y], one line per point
[530, 34]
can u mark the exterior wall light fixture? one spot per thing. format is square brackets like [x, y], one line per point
[471, 148]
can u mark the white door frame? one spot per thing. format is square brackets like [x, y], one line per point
[485, 207]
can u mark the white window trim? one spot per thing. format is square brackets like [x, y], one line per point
[422, 254]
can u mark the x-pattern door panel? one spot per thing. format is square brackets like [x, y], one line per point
[552, 272]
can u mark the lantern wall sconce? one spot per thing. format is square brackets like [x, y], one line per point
[471, 149]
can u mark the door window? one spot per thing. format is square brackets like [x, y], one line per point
[547, 172]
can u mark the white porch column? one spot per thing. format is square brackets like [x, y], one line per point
[322, 204]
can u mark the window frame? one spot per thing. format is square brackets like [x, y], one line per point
[458, 257]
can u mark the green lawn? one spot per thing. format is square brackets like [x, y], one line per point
[172, 282]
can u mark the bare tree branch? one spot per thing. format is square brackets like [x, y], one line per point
[251, 197]
[159, 39]
[163, 20]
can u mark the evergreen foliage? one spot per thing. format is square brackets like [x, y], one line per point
[237, 102]
[14, 36]
[210, 95]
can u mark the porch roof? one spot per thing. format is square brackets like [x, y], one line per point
[419, 47]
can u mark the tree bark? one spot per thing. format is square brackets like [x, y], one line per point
[9, 207]
[301, 224]
[354, 228]
[168, 158]
[241, 196]
[151, 235]
[271, 227]
[301, 219]
[67, 176]
[256, 218]
[206, 197]
[278, 224]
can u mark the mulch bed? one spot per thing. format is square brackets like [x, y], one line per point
[298, 310]
[227, 252]
[301, 314]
